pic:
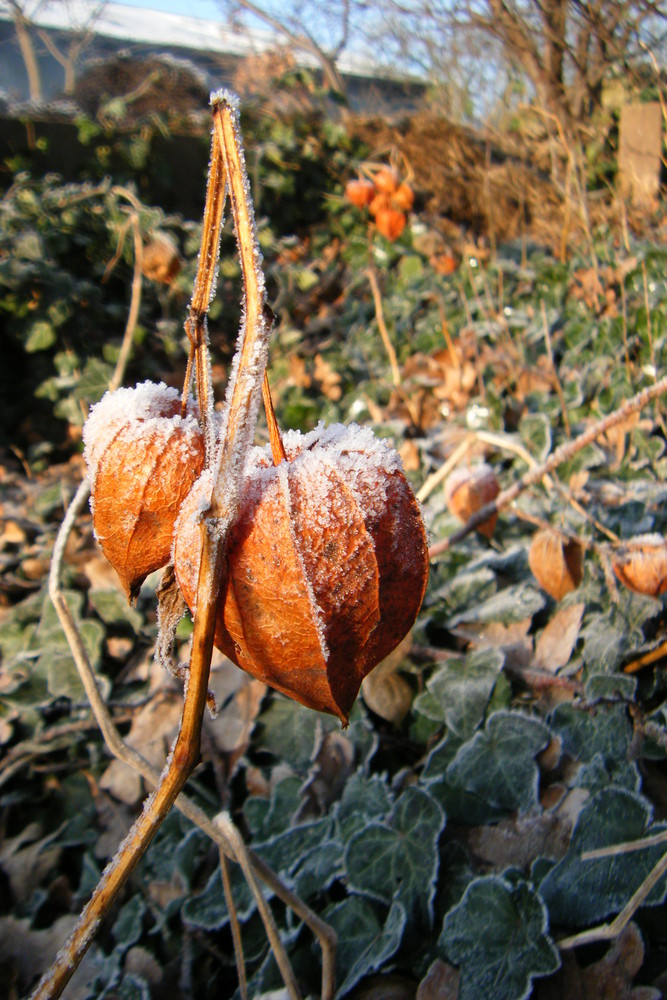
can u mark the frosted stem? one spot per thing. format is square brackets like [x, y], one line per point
[203, 292]
[243, 402]
[275, 437]
[248, 367]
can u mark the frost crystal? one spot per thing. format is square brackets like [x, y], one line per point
[127, 408]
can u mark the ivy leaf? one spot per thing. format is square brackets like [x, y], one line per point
[610, 636]
[498, 937]
[608, 732]
[129, 923]
[284, 851]
[41, 337]
[498, 764]
[601, 740]
[535, 430]
[266, 817]
[364, 943]
[94, 380]
[513, 604]
[462, 689]
[398, 859]
[466, 589]
[112, 607]
[291, 732]
[581, 892]
[319, 868]
[363, 799]
[131, 988]
[208, 909]
[460, 805]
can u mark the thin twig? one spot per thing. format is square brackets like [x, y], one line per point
[606, 932]
[234, 925]
[382, 326]
[441, 474]
[225, 824]
[554, 370]
[133, 312]
[202, 292]
[122, 751]
[628, 847]
[562, 454]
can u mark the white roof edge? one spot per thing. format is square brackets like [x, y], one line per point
[153, 27]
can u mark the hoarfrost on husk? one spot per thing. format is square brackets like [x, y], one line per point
[148, 407]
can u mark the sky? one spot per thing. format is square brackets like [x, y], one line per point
[207, 9]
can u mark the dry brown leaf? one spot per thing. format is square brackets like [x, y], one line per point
[160, 260]
[495, 635]
[385, 691]
[385, 987]
[410, 456]
[297, 372]
[554, 647]
[100, 573]
[142, 963]
[9, 717]
[609, 978]
[31, 952]
[519, 840]
[114, 819]
[332, 766]
[238, 696]
[328, 378]
[26, 861]
[441, 982]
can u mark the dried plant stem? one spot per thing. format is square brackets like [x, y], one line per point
[224, 823]
[133, 759]
[506, 442]
[243, 400]
[133, 312]
[184, 756]
[562, 454]
[234, 925]
[202, 293]
[554, 370]
[646, 659]
[437, 477]
[382, 327]
[628, 847]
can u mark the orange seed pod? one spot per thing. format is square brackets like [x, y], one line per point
[556, 562]
[142, 459]
[642, 564]
[327, 564]
[360, 192]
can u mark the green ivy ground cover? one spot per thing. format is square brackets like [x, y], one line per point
[442, 833]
